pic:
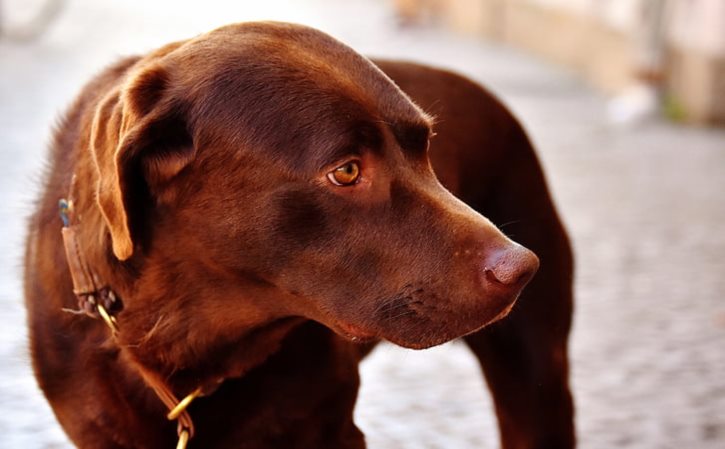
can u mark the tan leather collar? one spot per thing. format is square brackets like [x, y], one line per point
[98, 300]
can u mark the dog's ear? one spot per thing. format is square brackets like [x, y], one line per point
[139, 141]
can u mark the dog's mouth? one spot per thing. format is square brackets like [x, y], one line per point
[419, 324]
[434, 310]
[355, 333]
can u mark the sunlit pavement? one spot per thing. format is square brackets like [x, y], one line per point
[644, 205]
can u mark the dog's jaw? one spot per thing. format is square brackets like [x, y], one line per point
[354, 333]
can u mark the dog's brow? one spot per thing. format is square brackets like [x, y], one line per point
[369, 136]
[361, 137]
[412, 137]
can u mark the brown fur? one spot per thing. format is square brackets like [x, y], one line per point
[201, 197]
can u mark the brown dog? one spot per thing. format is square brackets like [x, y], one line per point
[252, 209]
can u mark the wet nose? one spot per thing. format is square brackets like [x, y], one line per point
[510, 268]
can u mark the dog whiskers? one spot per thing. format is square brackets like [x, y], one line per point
[402, 314]
[508, 223]
[393, 305]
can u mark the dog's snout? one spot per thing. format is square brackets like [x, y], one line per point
[510, 268]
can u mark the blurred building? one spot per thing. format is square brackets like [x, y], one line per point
[667, 53]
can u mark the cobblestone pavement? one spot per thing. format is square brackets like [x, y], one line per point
[645, 206]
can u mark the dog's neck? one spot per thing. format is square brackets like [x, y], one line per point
[172, 350]
[160, 316]
[151, 358]
[139, 319]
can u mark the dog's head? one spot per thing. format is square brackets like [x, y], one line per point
[266, 170]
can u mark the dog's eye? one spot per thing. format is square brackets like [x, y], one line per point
[345, 175]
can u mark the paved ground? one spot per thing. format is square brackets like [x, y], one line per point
[645, 206]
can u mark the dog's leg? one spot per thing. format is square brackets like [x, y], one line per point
[524, 356]
[525, 363]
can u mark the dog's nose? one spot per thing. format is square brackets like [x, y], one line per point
[510, 268]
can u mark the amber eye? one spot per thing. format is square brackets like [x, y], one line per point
[345, 175]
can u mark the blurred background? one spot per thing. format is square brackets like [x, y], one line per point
[625, 101]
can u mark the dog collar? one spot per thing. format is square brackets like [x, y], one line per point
[96, 299]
